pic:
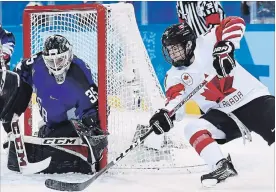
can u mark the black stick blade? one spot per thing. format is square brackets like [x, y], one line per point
[63, 186]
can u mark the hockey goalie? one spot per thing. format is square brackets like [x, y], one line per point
[63, 84]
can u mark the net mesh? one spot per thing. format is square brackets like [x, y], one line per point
[133, 91]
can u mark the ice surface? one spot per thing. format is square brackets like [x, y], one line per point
[253, 161]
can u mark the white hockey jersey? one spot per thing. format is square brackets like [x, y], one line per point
[225, 94]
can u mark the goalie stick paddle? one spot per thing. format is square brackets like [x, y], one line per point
[65, 186]
[24, 165]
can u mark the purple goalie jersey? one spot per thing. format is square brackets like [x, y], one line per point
[76, 98]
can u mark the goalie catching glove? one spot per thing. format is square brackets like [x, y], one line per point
[223, 58]
[161, 121]
[90, 132]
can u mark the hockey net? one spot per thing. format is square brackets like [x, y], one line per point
[107, 38]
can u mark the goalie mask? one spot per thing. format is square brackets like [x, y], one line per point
[57, 55]
[178, 44]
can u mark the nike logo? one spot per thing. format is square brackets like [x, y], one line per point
[51, 97]
[272, 130]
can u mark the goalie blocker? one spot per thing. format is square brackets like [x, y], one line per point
[81, 159]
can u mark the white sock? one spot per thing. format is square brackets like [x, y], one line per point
[211, 154]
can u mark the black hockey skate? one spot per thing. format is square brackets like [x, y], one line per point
[225, 169]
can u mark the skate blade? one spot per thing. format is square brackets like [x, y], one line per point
[209, 183]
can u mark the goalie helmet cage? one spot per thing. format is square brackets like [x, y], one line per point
[107, 39]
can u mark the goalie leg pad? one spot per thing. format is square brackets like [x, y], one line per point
[62, 161]
[93, 136]
[64, 158]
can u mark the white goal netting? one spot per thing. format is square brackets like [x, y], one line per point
[133, 91]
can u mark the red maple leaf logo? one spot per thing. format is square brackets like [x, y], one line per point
[218, 89]
[186, 77]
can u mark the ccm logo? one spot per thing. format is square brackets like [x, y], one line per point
[19, 144]
[224, 48]
[60, 141]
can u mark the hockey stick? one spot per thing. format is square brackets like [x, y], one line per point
[23, 163]
[65, 186]
[50, 141]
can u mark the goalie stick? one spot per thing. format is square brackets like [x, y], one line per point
[65, 186]
[23, 163]
[52, 140]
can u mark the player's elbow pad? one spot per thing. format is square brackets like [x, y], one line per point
[231, 29]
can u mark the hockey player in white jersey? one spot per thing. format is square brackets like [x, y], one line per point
[232, 92]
